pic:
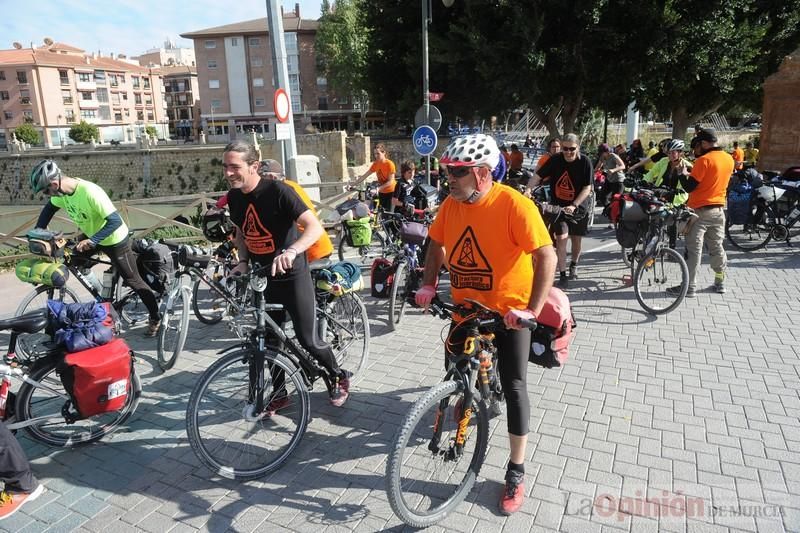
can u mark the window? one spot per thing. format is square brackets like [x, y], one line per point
[105, 112]
[212, 63]
[124, 95]
[216, 104]
[181, 86]
[121, 78]
[66, 96]
[8, 115]
[88, 113]
[322, 81]
[213, 84]
[297, 106]
[127, 113]
[22, 76]
[100, 76]
[257, 61]
[234, 41]
[86, 95]
[25, 97]
[291, 64]
[63, 75]
[150, 115]
[102, 95]
[69, 115]
[343, 100]
[27, 116]
[115, 99]
[2, 75]
[182, 99]
[3, 95]
[118, 116]
[322, 102]
[148, 100]
[137, 98]
[259, 102]
[140, 115]
[258, 82]
[168, 100]
[146, 82]
[135, 81]
[294, 83]
[211, 43]
[290, 38]
[84, 77]
[254, 41]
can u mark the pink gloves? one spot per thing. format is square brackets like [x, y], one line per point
[424, 296]
[513, 317]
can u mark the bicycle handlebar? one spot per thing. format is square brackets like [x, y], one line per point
[484, 317]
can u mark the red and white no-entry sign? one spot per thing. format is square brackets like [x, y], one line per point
[281, 105]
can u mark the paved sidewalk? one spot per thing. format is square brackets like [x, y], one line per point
[687, 422]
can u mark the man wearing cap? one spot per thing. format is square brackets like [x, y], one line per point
[499, 254]
[707, 185]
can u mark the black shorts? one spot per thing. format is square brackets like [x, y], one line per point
[567, 227]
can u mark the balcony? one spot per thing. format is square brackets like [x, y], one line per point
[88, 104]
[25, 100]
[86, 85]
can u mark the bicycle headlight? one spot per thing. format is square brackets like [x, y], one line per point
[258, 283]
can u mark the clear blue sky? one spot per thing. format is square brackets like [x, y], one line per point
[125, 26]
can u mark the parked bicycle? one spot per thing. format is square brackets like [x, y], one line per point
[367, 236]
[407, 264]
[440, 446]
[772, 213]
[42, 405]
[241, 423]
[173, 303]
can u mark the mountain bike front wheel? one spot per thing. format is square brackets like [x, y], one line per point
[344, 324]
[224, 430]
[661, 281]
[174, 326]
[428, 474]
[31, 346]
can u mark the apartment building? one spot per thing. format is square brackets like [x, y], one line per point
[56, 85]
[235, 75]
[169, 54]
[181, 95]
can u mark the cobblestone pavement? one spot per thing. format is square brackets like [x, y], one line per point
[687, 422]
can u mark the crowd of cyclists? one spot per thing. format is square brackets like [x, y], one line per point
[493, 241]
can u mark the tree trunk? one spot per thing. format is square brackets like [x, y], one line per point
[680, 122]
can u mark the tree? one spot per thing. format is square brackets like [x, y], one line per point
[342, 45]
[83, 132]
[27, 134]
[151, 131]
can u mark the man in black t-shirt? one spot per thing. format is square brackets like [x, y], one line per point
[570, 177]
[266, 213]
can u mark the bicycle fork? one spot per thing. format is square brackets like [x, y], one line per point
[463, 415]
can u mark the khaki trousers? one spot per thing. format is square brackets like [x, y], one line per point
[708, 228]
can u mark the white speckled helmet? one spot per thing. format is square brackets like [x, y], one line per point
[470, 151]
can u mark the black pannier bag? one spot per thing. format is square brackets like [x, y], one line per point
[155, 263]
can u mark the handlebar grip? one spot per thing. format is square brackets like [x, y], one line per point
[530, 324]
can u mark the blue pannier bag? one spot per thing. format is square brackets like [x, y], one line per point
[739, 205]
[79, 326]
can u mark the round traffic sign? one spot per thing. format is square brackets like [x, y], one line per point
[281, 105]
[425, 140]
[434, 117]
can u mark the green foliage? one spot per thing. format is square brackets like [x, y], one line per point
[27, 133]
[151, 131]
[83, 132]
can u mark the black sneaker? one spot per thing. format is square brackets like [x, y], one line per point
[676, 290]
[573, 271]
[563, 282]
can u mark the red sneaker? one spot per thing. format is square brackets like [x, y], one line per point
[10, 502]
[341, 389]
[513, 493]
[275, 405]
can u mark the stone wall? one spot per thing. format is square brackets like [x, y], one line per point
[168, 171]
[780, 129]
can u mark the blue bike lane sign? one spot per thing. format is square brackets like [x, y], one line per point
[424, 140]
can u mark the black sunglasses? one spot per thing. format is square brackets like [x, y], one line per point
[458, 172]
[568, 148]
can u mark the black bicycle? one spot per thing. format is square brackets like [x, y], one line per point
[773, 214]
[438, 451]
[250, 409]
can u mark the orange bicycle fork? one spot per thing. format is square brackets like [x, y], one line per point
[455, 447]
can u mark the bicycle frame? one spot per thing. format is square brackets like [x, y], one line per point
[10, 370]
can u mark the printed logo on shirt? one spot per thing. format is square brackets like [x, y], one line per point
[469, 268]
[257, 238]
[564, 189]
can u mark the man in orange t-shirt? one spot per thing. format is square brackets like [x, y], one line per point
[516, 158]
[738, 156]
[707, 186]
[498, 253]
[385, 170]
[271, 169]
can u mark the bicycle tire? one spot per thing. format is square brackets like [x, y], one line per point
[651, 272]
[346, 329]
[428, 404]
[130, 307]
[363, 254]
[219, 439]
[401, 285]
[208, 306]
[750, 237]
[174, 327]
[28, 342]
[64, 435]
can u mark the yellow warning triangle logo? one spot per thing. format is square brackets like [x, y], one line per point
[467, 255]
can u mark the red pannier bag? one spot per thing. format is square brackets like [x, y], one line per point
[550, 340]
[98, 380]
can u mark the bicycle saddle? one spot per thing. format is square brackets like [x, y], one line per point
[320, 264]
[27, 323]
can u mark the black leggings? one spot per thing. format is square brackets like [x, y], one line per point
[124, 260]
[297, 297]
[513, 347]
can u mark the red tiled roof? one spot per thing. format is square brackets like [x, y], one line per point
[291, 22]
[45, 57]
[172, 70]
[61, 46]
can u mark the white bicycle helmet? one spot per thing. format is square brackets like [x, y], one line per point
[676, 144]
[43, 174]
[471, 150]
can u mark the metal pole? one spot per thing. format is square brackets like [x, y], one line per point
[426, 102]
[281, 75]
